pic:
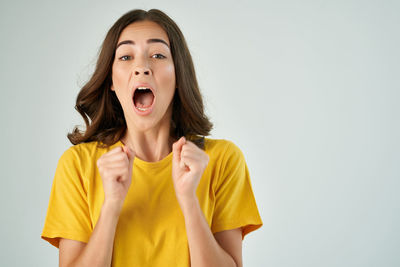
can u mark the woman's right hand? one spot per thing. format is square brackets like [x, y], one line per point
[115, 168]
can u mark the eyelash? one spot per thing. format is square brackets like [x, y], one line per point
[130, 57]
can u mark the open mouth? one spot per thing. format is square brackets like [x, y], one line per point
[143, 98]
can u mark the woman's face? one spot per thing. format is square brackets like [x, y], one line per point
[143, 60]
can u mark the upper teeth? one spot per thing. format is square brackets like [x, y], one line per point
[142, 88]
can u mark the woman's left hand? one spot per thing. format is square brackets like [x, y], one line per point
[188, 165]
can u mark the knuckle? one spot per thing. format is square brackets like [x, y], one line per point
[119, 157]
[107, 173]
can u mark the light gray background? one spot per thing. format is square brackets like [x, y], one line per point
[309, 90]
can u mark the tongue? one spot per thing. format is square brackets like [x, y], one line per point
[143, 99]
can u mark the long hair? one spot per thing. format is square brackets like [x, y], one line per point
[100, 107]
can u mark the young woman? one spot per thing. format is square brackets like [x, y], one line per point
[142, 185]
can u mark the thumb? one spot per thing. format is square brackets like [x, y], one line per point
[177, 148]
[129, 153]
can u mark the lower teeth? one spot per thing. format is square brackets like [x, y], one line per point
[142, 109]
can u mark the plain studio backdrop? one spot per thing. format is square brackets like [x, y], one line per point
[309, 90]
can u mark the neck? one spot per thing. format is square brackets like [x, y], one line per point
[151, 145]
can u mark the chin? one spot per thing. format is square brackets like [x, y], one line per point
[144, 126]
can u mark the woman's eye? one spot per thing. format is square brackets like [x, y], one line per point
[125, 58]
[158, 56]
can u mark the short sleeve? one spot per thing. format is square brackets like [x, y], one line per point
[68, 213]
[235, 204]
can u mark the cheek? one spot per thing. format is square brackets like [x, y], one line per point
[117, 77]
[118, 81]
[167, 76]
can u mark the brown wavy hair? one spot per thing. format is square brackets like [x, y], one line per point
[100, 107]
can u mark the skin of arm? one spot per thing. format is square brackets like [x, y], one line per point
[203, 246]
[206, 250]
[222, 250]
[115, 168]
[98, 251]
[75, 253]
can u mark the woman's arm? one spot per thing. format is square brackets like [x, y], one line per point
[188, 166]
[98, 251]
[115, 168]
[203, 247]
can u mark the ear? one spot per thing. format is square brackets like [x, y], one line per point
[112, 87]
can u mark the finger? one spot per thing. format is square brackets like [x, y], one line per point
[118, 164]
[113, 165]
[114, 158]
[117, 175]
[190, 152]
[130, 155]
[113, 172]
[177, 148]
[195, 159]
[182, 164]
[190, 146]
[191, 156]
[129, 152]
[114, 150]
[190, 161]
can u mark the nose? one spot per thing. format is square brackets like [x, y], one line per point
[145, 71]
[142, 69]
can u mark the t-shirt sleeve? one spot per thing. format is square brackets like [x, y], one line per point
[235, 204]
[68, 212]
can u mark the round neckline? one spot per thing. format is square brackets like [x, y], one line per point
[153, 164]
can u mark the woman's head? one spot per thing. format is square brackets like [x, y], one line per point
[142, 60]
[99, 100]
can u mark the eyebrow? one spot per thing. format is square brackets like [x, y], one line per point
[149, 41]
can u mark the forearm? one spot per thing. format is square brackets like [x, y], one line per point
[204, 249]
[98, 251]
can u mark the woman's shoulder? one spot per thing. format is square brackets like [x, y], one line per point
[87, 150]
[220, 147]
[224, 154]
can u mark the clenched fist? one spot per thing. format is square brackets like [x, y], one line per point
[188, 165]
[115, 168]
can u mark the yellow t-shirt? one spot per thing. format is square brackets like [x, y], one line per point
[151, 227]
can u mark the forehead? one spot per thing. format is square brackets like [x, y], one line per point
[143, 30]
